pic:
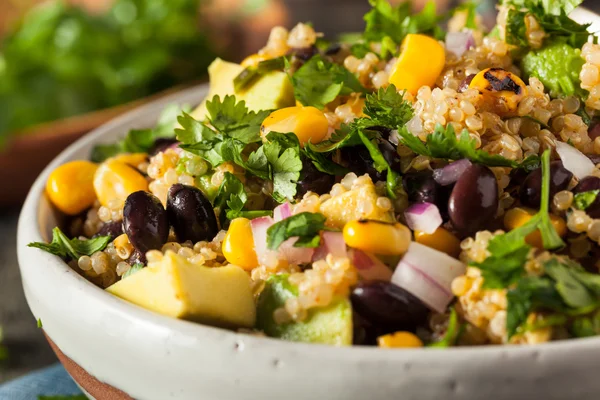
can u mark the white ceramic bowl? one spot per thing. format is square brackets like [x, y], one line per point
[117, 350]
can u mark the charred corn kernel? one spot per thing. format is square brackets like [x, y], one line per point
[518, 216]
[238, 245]
[499, 87]
[421, 61]
[115, 180]
[399, 339]
[441, 240]
[253, 60]
[377, 237]
[133, 159]
[307, 123]
[70, 186]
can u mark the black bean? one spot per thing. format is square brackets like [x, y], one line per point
[145, 221]
[358, 160]
[531, 189]
[594, 129]
[313, 180]
[474, 199]
[191, 214]
[587, 184]
[304, 54]
[160, 145]
[388, 306]
[333, 49]
[137, 257]
[112, 229]
[422, 188]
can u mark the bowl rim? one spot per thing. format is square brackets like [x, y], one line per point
[29, 230]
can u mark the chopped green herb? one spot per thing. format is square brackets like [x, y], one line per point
[231, 199]
[319, 81]
[306, 226]
[443, 143]
[282, 151]
[324, 164]
[142, 140]
[452, 332]
[233, 119]
[132, 270]
[387, 107]
[583, 200]
[64, 247]
[39, 323]
[586, 326]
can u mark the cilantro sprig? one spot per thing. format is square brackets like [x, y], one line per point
[67, 248]
[319, 82]
[444, 143]
[305, 226]
[583, 200]
[231, 199]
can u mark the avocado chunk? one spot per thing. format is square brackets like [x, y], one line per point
[557, 66]
[271, 91]
[173, 286]
[327, 325]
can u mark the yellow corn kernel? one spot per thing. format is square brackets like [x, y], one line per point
[518, 216]
[377, 237]
[253, 60]
[399, 339]
[421, 61]
[133, 159]
[70, 186]
[115, 180]
[123, 247]
[500, 89]
[307, 123]
[441, 240]
[238, 245]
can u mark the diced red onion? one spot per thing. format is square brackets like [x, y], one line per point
[394, 137]
[369, 267]
[282, 211]
[331, 243]
[424, 217]
[450, 173]
[574, 160]
[259, 232]
[428, 274]
[295, 255]
[459, 42]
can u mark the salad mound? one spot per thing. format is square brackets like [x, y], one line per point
[404, 187]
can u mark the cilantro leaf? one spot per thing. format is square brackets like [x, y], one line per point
[141, 140]
[282, 150]
[322, 163]
[133, 269]
[502, 270]
[64, 247]
[452, 332]
[572, 291]
[443, 143]
[306, 226]
[231, 199]
[586, 326]
[387, 107]
[319, 81]
[233, 119]
[39, 323]
[553, 7]
[583, 200]
[385, 20]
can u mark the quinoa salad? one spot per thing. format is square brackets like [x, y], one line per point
[425, 183]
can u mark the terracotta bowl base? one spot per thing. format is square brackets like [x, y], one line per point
[97, 389]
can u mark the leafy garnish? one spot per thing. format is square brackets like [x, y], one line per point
[231, 199]
[282, 151]
[387, 107]
[385, 20]
[508, 252]
[553, 19]
[443, 143]
[583, 200]
[319, 81]
[133, 269]
[322, 163]
[142, 140]
[39, 323]
[586, 326]
[452, 331]
[249, 75]
[64, 247]
[305, 226]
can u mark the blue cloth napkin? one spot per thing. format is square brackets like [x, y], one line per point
[51, 381]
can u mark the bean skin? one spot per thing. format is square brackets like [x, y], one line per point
[145, 221]
[191, 214]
